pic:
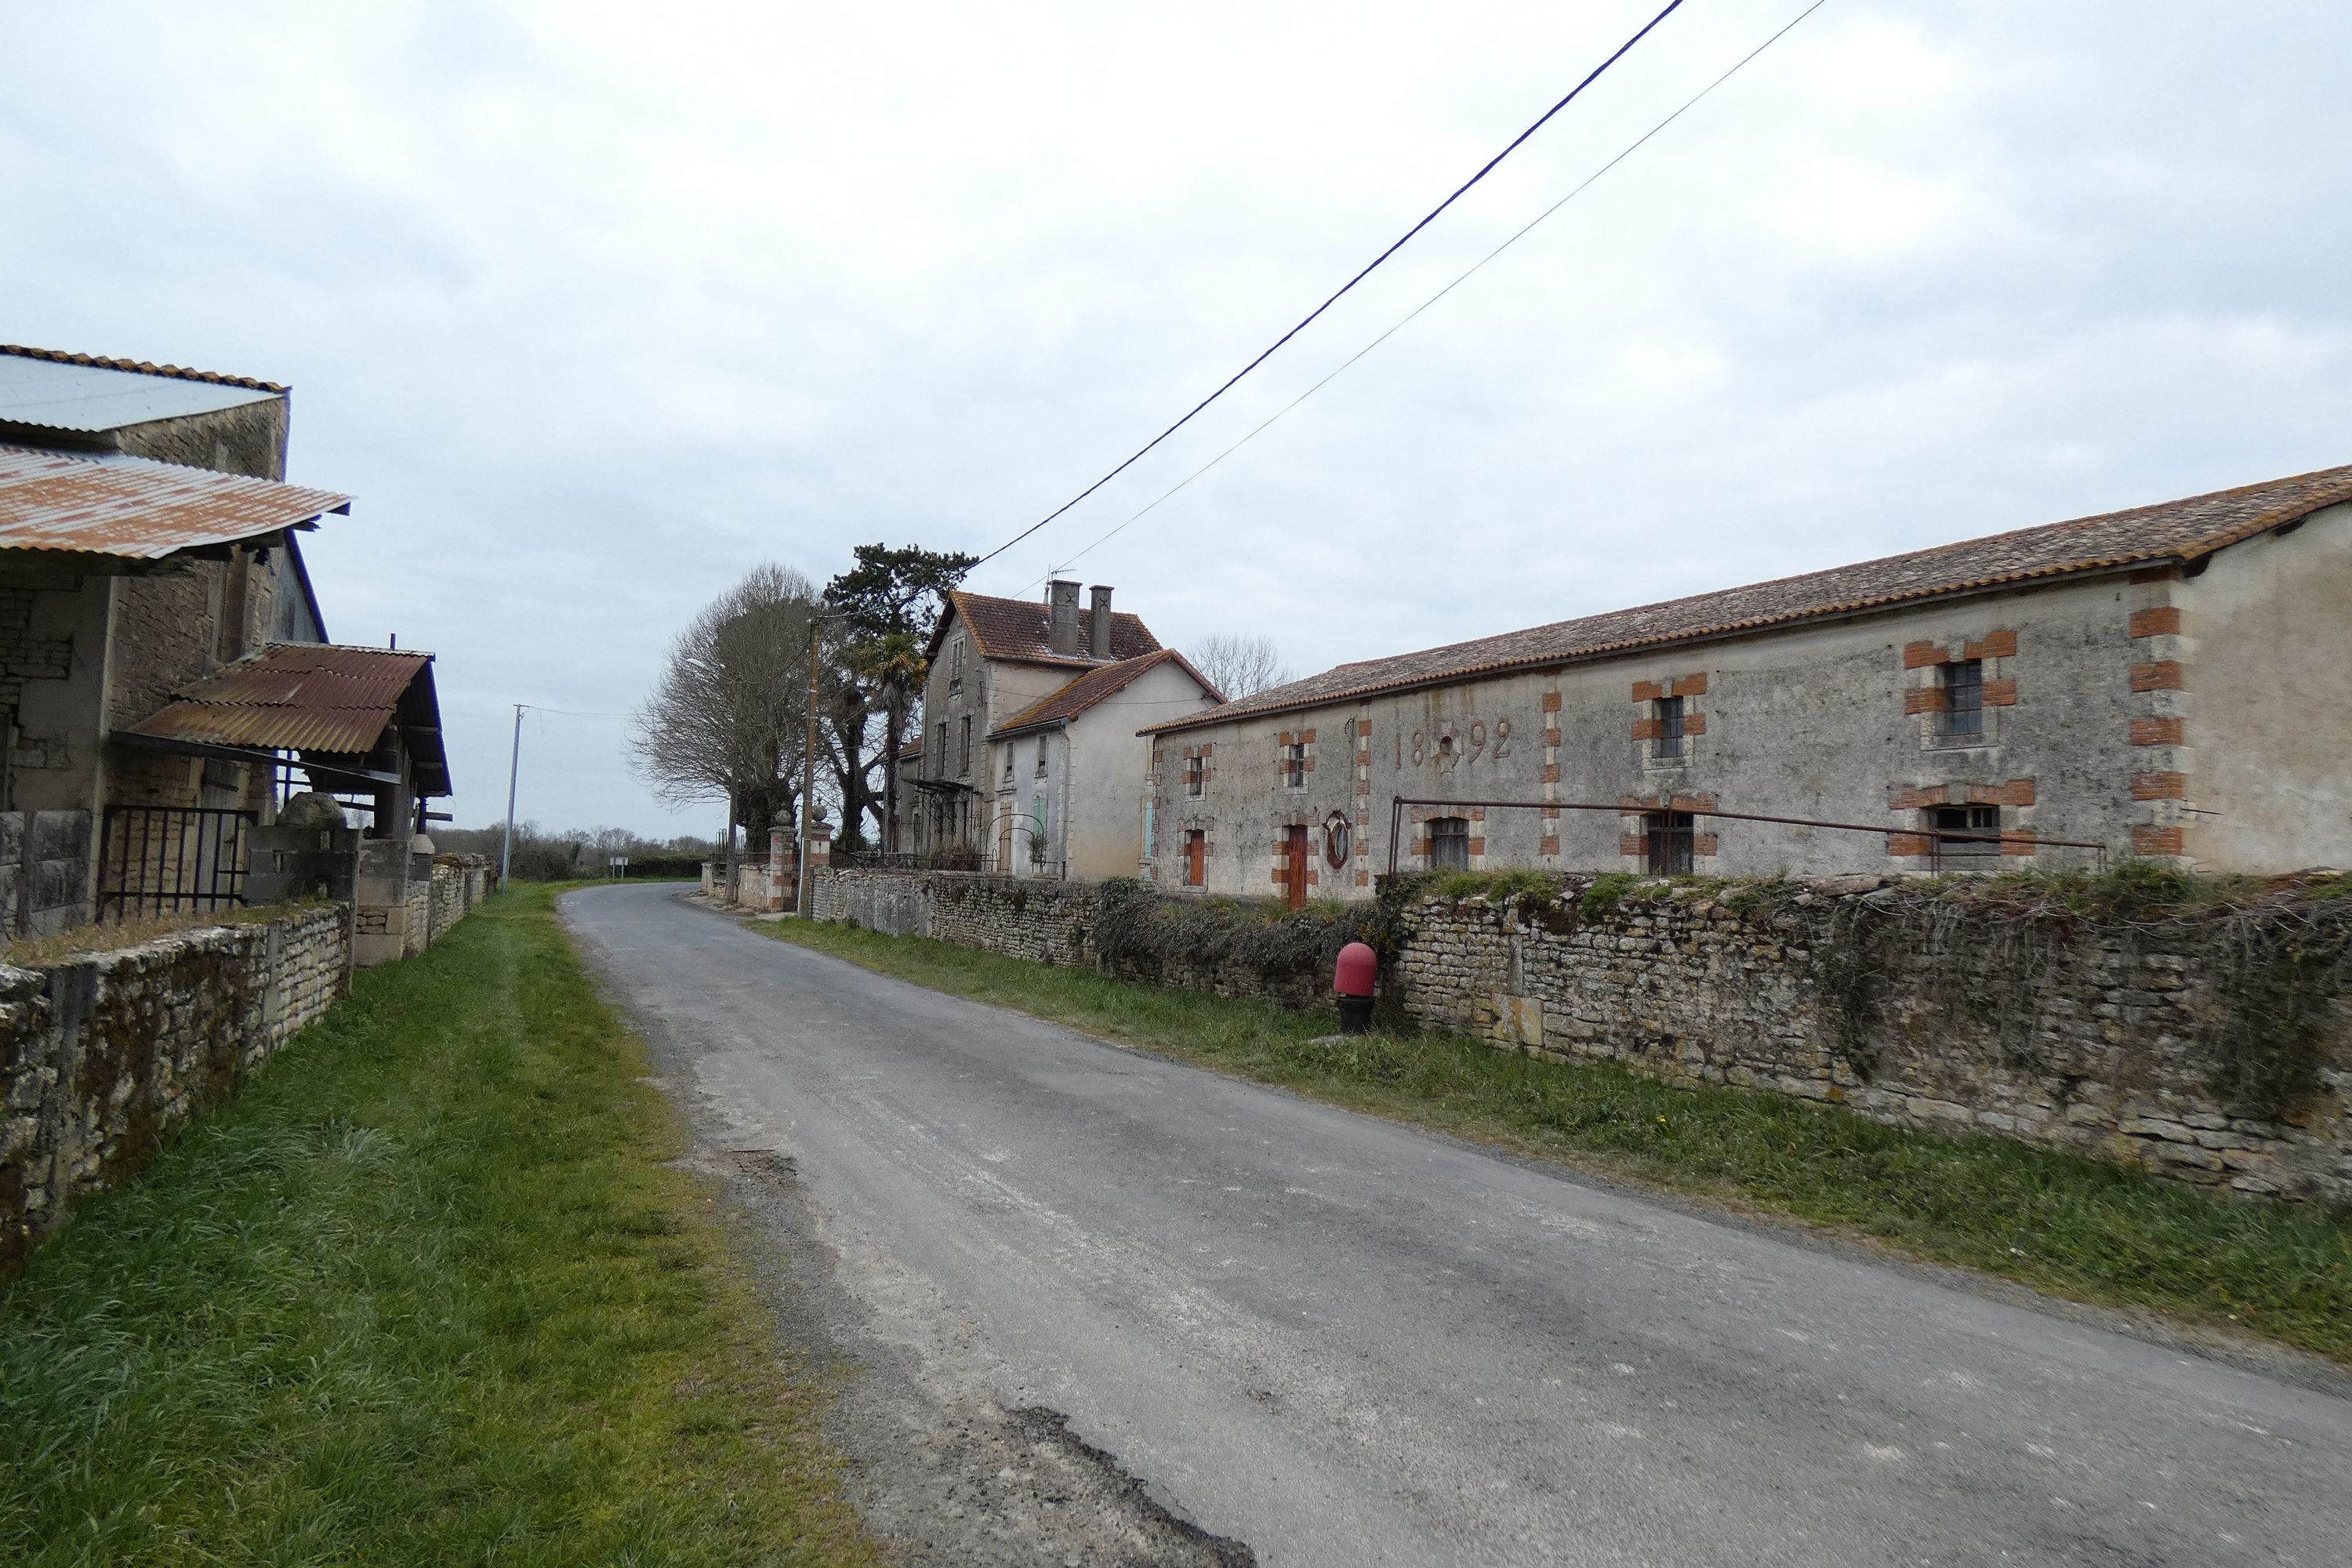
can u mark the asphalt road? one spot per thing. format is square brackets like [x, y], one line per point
[1343, 1342]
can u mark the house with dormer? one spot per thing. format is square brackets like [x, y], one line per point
[1029, 762]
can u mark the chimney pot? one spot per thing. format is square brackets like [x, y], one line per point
[1062, 625]
[1101, 618]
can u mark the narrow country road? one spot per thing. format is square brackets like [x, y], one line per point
[1342, 1342]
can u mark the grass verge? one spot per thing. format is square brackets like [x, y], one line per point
[424, 1292]
[2061, 1224]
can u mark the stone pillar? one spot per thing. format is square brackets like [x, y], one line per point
[820, 859]
[782, 869]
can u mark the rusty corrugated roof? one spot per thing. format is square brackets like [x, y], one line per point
[297, 697]
[2176, 531]
[137, 509]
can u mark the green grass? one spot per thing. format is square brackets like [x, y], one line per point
[2063, 1225]
[424, 1293]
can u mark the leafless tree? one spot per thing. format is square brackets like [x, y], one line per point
[727, 718]
[1239, 666]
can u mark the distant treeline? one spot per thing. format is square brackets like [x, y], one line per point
[544, 855]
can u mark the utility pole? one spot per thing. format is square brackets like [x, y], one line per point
[514, 766]
[808, 775]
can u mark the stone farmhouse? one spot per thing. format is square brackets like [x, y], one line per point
[165, 683]
[2172, 682]
[1030, 763]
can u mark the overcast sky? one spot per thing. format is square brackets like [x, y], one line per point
[595, 306]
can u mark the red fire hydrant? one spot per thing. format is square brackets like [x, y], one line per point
[1355, 978]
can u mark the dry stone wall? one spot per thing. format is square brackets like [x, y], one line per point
[104, 1056]
[2200, 1044]
[1050, 922]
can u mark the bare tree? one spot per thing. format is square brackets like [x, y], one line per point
[1239, 666]
[727, 718]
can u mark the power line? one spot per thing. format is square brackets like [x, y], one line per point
[1335, 373]
[567, 713]
[1590, 78]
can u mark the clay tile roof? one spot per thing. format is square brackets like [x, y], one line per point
[130, 508]
[313, 696]
[1103, 681]
[2171, 531]
[1020, 630]
[140, 367]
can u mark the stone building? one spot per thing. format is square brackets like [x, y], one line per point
[1030, 763]
[2169, 681]
[148, 540]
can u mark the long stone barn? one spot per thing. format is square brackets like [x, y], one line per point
[2172, 682]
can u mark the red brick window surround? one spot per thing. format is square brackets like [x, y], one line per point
[1196, 775]
[1294, 757]
[1669, 718]
[1954, 688]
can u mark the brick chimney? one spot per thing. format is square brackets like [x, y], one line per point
[1101, 618]
[1062, 627]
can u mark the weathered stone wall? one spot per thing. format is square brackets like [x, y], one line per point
[2126, 1038]
[2148, 1037]
[103, 1057]
[44, 872]
[1047, 923]
[1050, 922]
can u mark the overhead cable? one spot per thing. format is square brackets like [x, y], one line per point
[1591, 77]
[1449, 289]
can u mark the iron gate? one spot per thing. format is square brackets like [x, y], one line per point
[171, 859]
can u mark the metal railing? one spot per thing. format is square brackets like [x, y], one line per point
[171, 859]
[1938, 836]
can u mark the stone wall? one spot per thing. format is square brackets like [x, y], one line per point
[44, 872]
[2132, 1036]
[2211, 1044]
[104, 1056]
[1049, 922]
[1021, 917]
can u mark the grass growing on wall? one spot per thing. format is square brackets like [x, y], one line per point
[2062, 1224]
[424, 1293]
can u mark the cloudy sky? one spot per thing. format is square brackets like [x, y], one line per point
[595, 306]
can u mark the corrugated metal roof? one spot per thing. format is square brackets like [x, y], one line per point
[80, 391]
[303, 697]
[105, 504]
[2180, 531]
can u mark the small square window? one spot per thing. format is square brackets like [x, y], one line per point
[1196, 774]
[1293, 765]
[1963, 683]
[1669, 716]
[1966, 819]
[1449, 843]
[1670, 839]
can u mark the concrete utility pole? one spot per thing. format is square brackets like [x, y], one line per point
[808, 778]
[808, 771]
[514, 766]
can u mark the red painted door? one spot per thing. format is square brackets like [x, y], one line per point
[1295, 871]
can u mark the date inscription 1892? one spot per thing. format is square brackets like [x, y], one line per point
[1454, 743]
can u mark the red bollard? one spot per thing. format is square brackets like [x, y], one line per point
[1355, 977]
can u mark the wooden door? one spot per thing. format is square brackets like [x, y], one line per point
[1295, 869]
[1196, 856]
